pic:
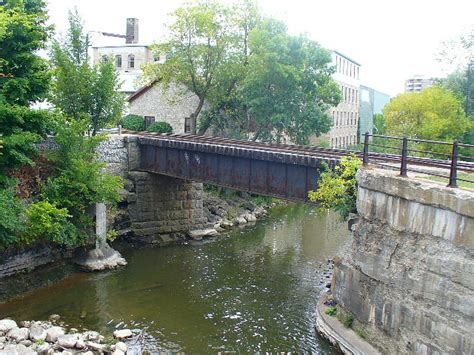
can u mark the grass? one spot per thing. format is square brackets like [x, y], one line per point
[463, 184]
[331, 311]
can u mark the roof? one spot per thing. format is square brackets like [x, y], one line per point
[346, 57]
[124, 45]
[141, 91]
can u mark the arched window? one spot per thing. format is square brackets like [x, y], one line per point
[131, 61]
[118, 61]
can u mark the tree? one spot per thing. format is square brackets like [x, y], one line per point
[24, 75]
[433, 114]
[260, 82]
[80, 90]
[200, 43]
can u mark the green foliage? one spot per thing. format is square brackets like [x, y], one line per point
[45, 220]
[348, 319]
[81, 181]
[11, 211]
[331, 311]
[433, 114]
[338, 188]
[361, 332]
[133, 122]
[260, 82]
[23, 31]
[160, 127]
[80, 90]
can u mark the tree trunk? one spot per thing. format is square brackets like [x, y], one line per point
[195, 114]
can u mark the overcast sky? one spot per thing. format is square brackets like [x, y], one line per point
[393, 40]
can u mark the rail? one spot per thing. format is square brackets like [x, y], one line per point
[449, 152]
[400, 160]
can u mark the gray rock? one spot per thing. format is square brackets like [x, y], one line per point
[18, 334]
[198, 234]
[240, 220]
[67, 340]
[118, 352]
[54, 317]
[6, 325]
[37, 332]
[26, 342]
[91, 335]
[250, 217]
[80, 343]
[95, 346]
[43, 348]
[18, 349]
[53, 333]
[123, 333]
[121, 346]
[226, 224]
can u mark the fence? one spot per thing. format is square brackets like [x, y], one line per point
[451, 159]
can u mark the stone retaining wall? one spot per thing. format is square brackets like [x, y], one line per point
[410, 275]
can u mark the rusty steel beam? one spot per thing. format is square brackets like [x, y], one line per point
[267, 173]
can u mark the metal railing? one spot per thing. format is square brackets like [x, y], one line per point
[447, 158]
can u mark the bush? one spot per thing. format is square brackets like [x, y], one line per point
[10, 212]
[331, 311]
[348, 320]
[337, 188]
[160, 127]
[133, 122]
[50, 222]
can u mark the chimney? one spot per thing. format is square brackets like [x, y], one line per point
[132, 30]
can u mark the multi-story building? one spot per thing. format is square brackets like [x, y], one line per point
[129, 58]
[345, 115]
[372, 102]
[418, 83]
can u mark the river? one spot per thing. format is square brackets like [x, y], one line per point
[253, 290]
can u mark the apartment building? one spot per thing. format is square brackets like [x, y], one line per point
[418, 83]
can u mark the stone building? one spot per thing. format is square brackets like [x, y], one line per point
[345, 115]
[173, 105]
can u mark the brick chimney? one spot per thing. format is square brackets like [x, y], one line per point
[132, 30]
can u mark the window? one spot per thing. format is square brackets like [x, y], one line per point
[105, 58]
[148, 121]
[156, 57]
[187, 125]
[131, 61]
[118, 61]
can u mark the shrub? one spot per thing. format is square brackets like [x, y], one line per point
[10, 212]
[331, 311]
[338, 188]
[348, 319]
[133, 122]
[160, 127]
[50, 222]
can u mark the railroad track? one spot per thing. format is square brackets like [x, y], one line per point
[330, 153]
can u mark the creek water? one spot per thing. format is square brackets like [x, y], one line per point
[253, 290]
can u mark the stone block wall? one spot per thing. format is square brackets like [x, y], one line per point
[409, 278]
[152, 204]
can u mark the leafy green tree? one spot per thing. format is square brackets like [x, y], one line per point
[24, 75]
[80, 90]
[80, 181]
[200, 43]
[288, 87]
[433, 114]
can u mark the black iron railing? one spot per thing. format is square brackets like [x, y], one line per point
[420, 152]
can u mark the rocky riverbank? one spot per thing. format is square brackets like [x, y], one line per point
[53, 336]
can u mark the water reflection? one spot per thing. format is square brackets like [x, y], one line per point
[254, 290]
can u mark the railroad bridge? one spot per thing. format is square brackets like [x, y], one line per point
[164, 173]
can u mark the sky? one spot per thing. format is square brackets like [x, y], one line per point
[392, 39]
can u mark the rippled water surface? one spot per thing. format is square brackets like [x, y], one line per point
[254, 290]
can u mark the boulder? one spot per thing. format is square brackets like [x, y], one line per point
[250, 217]
[6, 325]
[43, 348]
[240, 220]
[91, 335]
[118, 352]
[18, 334]
[198, 234]
[121, 346]
[53, 333]
[37, 332]
[95, 346]
[123, 333]
[67, 340]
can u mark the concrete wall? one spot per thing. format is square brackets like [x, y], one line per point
[153, 204]
[410, 274]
